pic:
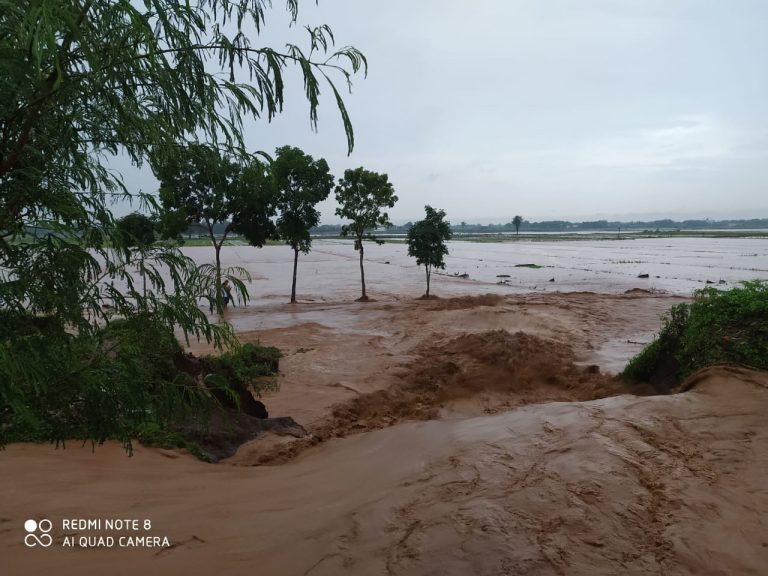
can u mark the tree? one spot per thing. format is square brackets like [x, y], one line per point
[516, 221]
[426, 241]
[137, 229]
[362, 194]
[200, 185]
[301, 183]
[83, 81]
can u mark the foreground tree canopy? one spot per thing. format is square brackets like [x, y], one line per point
[84, 80]
[362, 195]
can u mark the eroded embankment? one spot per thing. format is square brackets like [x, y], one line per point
[476, 373]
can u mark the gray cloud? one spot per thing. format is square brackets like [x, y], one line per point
[547, 108]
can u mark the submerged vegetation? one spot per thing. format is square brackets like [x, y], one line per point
[718, 327]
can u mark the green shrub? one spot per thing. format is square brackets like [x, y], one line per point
[125, 381]
[95, 386]
[250, 366]
[154, 435]
[718, 327]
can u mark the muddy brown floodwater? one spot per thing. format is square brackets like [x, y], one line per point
[481, 432]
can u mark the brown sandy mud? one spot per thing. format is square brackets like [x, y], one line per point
[622, 485]
[372, 365]
[468, 435]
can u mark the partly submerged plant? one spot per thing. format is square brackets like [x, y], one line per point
[718, 327]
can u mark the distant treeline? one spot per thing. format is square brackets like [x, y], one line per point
[588, 226]
[198, 230]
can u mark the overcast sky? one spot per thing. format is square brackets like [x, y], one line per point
[551, 109]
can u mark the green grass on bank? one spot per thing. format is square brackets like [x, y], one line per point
[718, 327]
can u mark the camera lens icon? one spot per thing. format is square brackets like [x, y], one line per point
[32, 538]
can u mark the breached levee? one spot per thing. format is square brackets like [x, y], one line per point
[620, 485]
[474, 373]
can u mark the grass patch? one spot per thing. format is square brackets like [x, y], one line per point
[155, 436]
[247, 367]
[718, 327]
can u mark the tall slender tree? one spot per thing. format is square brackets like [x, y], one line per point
[301, 182]
[427, 241]
[362, 194]
[516, 221]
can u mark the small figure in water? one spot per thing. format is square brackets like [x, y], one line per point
[226, 294]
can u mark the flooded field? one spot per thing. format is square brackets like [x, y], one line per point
[331, 271]
[480, 432]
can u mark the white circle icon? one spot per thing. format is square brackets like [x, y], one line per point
[32, 539]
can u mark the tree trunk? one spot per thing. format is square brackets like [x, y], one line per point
[362, 270]
[219, 302]
[428, 275]
[295, 264]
